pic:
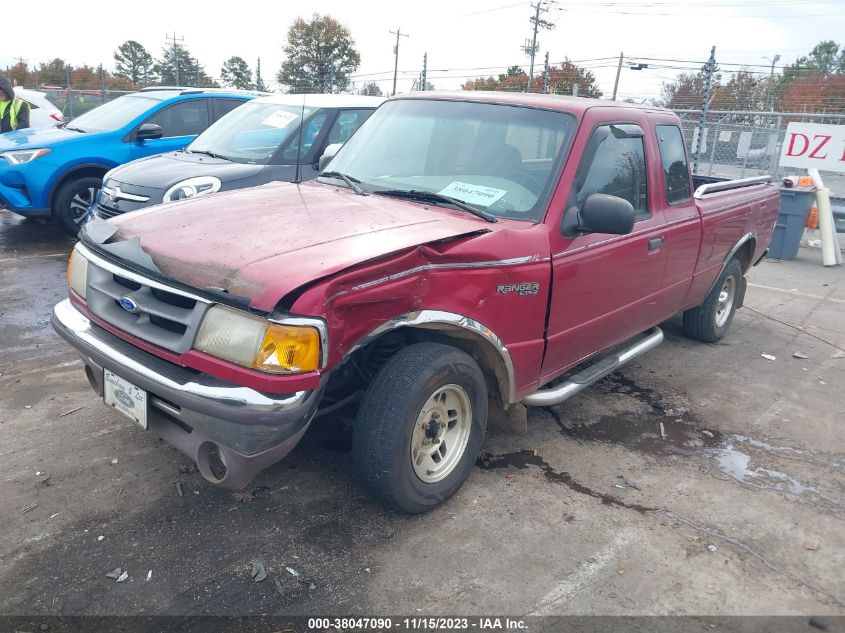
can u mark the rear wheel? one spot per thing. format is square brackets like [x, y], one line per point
[709, 322]
[73, 200]
[420, 427]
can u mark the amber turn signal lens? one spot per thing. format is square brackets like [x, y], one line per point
[288, 349]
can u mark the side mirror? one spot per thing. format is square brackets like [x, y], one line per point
[602, 213]
[328, 154]
[148, 131]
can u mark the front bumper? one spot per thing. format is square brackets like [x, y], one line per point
[196, 413]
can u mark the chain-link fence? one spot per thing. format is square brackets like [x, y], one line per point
[737, 144]
[74, 102]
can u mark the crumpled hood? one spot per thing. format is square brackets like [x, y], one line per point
[164, 170]
[262, 243]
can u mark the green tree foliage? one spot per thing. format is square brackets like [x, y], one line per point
[134, 62]
[371, 89]
[178, 67]
[54, 72]
[320, 55]
[235, 73]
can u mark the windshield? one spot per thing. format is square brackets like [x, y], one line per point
[252, 133]
[114, 114]
[498, 158]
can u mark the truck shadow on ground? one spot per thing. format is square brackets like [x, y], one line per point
[311, 528]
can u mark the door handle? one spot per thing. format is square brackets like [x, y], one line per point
[654, 244]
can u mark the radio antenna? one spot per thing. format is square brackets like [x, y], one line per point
[299, 142]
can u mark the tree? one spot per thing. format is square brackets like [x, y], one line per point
[814, 83]
[564, 78]
[371, 89]
[19, 74]
[133, 62]
[54, 72]
[178, 67]
[236, 73]
[513, 80]
[320, 55]
[687, 91]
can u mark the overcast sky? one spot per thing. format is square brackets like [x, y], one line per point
[457, 35]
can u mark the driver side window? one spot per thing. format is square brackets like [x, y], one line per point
[186, 118]
[617, 169]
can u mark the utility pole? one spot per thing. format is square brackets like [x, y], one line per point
[424, 76]
[705, 102]
[173, 38]
[775, 60]
[538, 23]
[398, 33]
[546, 75]
[69, 95]
[259, 85]
[618, 73]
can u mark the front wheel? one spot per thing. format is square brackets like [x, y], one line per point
[73, 200]
[709, 322]
[420, 427]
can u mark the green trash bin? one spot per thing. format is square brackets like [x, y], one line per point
[795, 203]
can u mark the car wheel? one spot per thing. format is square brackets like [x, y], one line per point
[420, 427]
[73, 200]
[710, 321]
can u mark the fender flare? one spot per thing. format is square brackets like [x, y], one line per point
[442, 320]
[748, 237]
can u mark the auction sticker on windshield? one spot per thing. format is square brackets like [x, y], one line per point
[121, 394]
[278, 118]
[473, 194]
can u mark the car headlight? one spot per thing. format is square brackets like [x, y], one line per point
[257, 343]
[77, 273]
[21, 156]
[192, 187]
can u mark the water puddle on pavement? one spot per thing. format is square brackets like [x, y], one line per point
[525, 458]
[664, 428]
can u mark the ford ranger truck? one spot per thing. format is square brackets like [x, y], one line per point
[462, 254]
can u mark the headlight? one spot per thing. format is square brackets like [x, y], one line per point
[257, 343]
[22, 156]
[192, 187]
[77, 273]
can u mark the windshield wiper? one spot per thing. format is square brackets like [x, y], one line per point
[74, 129]
[350, 181]
[437, 198]
[207, 153]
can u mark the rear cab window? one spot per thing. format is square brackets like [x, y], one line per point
[673, 156]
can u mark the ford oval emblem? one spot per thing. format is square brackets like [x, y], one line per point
[128, 304]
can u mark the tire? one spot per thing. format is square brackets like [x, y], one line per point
[710, 321]
[444, 383]
[72, 201]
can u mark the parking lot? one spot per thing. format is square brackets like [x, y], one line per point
[703, 480]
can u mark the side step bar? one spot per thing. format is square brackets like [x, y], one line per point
[593, 373]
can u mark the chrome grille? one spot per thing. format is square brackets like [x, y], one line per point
[164, 317]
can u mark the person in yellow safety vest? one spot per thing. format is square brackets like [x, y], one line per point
[14, 112]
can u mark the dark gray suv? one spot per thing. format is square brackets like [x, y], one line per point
[260, 142]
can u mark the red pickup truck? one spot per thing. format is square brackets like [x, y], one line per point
[462, 251]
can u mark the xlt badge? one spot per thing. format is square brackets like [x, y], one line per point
[524, 289]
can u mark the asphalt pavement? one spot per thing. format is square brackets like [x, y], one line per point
[703, 480]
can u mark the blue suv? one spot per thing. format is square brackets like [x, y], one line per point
[56, 173]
